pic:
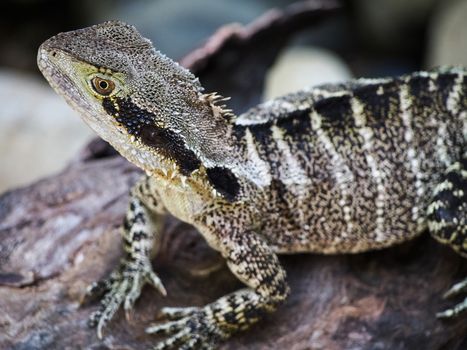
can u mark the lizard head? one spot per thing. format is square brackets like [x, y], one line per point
[147, 106]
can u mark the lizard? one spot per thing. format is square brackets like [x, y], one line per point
[332, 169]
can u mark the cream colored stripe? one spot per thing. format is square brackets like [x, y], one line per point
[290, 171]
[340, 171]
[258, 169]
[412, 157]
[452, 102]
[367, 134]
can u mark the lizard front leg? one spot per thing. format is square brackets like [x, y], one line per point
[252, 260]
[140, 239]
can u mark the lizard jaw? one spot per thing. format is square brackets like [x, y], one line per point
[55, 66]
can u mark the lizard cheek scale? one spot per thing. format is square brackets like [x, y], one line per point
[341, 168]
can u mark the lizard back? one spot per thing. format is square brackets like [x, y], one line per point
[350, 167]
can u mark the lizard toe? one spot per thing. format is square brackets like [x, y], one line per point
[167, 328]
[178, 340]
[456, 289]
[454, 311]
[123, 286]
[176, 313]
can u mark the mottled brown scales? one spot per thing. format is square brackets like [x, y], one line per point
[332, 169]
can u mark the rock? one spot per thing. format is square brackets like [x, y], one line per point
[61, 233]
[39, 132]
[447, 35]
[298, 67]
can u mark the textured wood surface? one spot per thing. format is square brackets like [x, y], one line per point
[60, 234]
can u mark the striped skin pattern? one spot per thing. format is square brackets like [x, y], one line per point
[357, 165]
[447, 212]
[339, 168]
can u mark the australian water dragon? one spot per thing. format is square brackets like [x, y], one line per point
[339, 168]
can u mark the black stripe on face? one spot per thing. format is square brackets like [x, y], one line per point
[128, 114]
[170, 145]
[142, 124]
[224, 181]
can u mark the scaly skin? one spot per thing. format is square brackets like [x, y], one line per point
[333, 169]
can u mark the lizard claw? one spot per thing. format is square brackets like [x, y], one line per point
[454, 311]
[460, 307]
[456, 289]
[176, 313]
[156, 282]
[189, 328]
[123, 286]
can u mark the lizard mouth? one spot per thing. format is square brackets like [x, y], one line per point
[55, 66]
[60, 81]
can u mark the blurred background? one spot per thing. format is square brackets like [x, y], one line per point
[39, 133]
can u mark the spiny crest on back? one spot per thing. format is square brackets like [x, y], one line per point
[147, 106]
[216, 102]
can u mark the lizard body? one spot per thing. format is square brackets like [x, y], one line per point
[339, 168]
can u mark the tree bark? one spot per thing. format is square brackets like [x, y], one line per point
[61, 233]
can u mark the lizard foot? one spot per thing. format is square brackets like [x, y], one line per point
[189, 328]
[457, 309]
[122, 286]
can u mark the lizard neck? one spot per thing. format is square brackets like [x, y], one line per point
[234, 162]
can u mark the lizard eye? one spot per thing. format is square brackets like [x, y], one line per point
[102, 86]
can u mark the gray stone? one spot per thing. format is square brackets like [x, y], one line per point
[298, 67]
[447, 37]
[38, 130]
